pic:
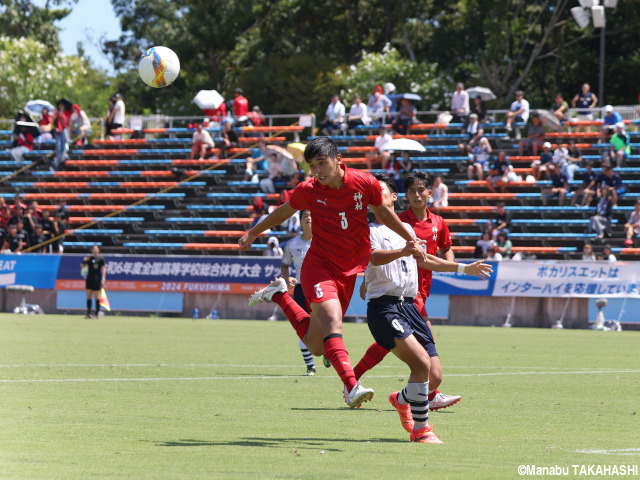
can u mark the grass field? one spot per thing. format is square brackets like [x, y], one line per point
[157, 398]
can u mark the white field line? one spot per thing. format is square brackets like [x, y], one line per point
[622, 451]
[180, 379]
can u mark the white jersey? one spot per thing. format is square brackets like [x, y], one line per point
[294, 252]
[397, 278]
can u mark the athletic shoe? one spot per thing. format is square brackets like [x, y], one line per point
[425, 435]
[326, 362]
[406, 419]
[628, 242]
[88, 316]
[442, 400]
[358, 395]
[266, 294]
[311, 371]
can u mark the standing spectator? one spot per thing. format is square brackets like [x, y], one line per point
[480, 109]
[620, 147]
[79, 125]
[229, 138]
[273, 248]
[504, 244]
[439, 196]
[474, 131]
[539, 167]
[501, 221]
[585, 101]
[17, 203]
[60, 129]
[559, 186]
[240, 108]
[460, 104]
[334, 116]
[479, 159]
[601, 221]
[274, 174]
[607, 255]
[378, 153]
[118, 112]
[632, 227]
[396, 167]
[39, 237]
[535, 136]
[202, 141]
[257, 160]
[108, 123]
[518, 112]
[24, 142]
[573, 162]
[588, 187]
[256, 117]
[63, 210]
[59, 228]
[405, 116]
[379, 105]
[47, 225]
[499, 173]
[37, 212]
[587, 253]
[357, 115]
[609, 122]
[13, 242]
[560, 108]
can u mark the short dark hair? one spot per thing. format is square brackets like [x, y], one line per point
[239, 91]
[381, 177]
[500, 204]
[322, 146]
[418, 176]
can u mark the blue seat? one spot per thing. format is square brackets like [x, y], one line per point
[81, 244]
[121, 219]
[98, 231]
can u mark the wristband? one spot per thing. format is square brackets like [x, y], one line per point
[461, 267]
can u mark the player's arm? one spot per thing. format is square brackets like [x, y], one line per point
[284, 270]
[389, 218]
[447, 254]
[475, 269]
[382, 257]
[278, 216]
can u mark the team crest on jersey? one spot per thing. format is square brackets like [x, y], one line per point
[358, 198]
[435, 233]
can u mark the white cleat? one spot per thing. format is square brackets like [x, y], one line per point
[265, 294]
[442, 400]
[358, 395]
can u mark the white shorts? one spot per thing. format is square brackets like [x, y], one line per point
[582, 116]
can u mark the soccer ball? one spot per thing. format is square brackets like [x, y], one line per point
[159, 67]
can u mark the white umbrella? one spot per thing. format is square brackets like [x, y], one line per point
[482, 92]
[549, 120]
[208, 99]
[34, 107]
[404, 145]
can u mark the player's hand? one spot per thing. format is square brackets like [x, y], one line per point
[246, 241]
[363, 290]
[479, 269]
[418, 251]
[85, 259]
[291, 282]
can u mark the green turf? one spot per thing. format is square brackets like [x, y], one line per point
[227, 400]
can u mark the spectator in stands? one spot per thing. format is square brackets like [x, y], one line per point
[107, 119]
[18, 215]
[240, 108]
[17, 202]
[479, 159]
[539, 167]
[609, 122]
[560, 108]
[493, 255]
[334, 116]
[257, 160]
[256, 117]
[499, 173]
[607, 255]
[13, 242]
[5, 214]
[37, 238]
[474, 131]
[378, 154]
[37, 211]
[216, 115]
[357, 115]
[406, 114]
[559, 186]
[560, 156]
[396, 167]
[584, 101]
[588, 188]
[258, 210]
[46, 124]
[273, 248]
[620, 147]
[289, 169]
[501, 221]
[274, 174]
[518, 112]
[587, 253]
[601, 221]
[62, 210]
[535, 136]
[79, 125]
[60, 129]
[482, 245]
[23, 142]
[573, 162]
[504, 244]
[47, 224]
[632, 227]
[59, 228]
[379, 105]
[117, 114]
[612, 180]
[229, 138]
[201, 142]
[30, 220]
[439, 196]
[460, 104]
[480, 109]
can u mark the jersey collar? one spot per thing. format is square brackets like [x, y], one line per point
[412, 216]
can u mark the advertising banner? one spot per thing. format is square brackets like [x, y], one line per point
[37, 270]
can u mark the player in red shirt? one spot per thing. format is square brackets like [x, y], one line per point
[434, 231]
[337, 197]
[240, 104]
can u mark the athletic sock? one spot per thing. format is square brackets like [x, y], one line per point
[88, 307]
[415, 394]
[298, 318]
[306, 354]
[433, 393]
[96, 302]
[336, 352]
[373, 356]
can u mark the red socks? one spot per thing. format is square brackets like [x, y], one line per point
[433, 394]
[373, 356]
[298, 318]
[337, 354]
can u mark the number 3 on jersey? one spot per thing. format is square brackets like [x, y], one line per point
[343, 220]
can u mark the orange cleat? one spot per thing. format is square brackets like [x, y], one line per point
[425, 435]
[406, 419]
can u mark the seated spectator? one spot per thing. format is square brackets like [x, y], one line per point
[559, 186]
[229, 138]
[539, 167]
[560, 108]
[59, 228]
[588, 187]
[479, 159]
[258, 210]
[482, 245]
[256, 117]
[79, 125]
[632, 227]
[357, 115]
[379, 105]
[273, 248]
[518, 112]
[46, 124]
[14, 242]
[217, 115]
[607, 256]
[439, 196]
[202, 142]
[380, 155]
[460, 104]
[240, 108]
[115, 116]
[274, 174]
[396, 167]
[609, 122]
[499, 172]
[480, 109]
[560, 156]
[587, 253]
[334, 116]
[406, 114]
[289, 169]
[573, 161]
[474, 131]
[612, 180]
[493, 255]
[601, 221]
[257, 160]
[620, 147]
[35, 208]
[37, 238]
[23, 143]
[504, 244]
[535, 136]
[501, 221]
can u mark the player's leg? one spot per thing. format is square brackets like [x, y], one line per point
[88, 315]
[96, 301]
[373, 356]
[298, 297]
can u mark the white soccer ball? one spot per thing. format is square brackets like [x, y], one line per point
[159, 67]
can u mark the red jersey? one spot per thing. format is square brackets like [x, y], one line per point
[340, 227]
[240, 106]
[435, 232]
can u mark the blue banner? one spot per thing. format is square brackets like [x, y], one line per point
[445, 283]
[37, 270]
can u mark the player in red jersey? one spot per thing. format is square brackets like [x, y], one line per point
[337, 197]
[434, 231]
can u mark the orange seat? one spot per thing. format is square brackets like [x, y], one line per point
[117, 151]
[283, 128]
[61, 184]
[572, 134]
[266, 139]
[412, 137]
[462, 221]
[469, 208]
[129, 141]
[361, 149]
[147, 184]
[480, 196]
[84, 173]
[239, 220]
[212, 246]
[482, 183]
[91, 163]
[630, 251]
[194, 162]
[226, 233]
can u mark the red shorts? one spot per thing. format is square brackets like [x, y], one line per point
[319, 283]
[420, 303]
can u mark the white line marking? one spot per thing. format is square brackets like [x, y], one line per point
[622, 451]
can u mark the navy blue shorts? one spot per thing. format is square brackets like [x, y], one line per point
[389, 318]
